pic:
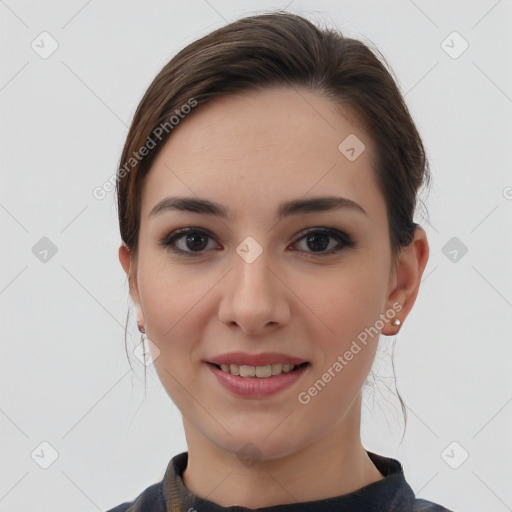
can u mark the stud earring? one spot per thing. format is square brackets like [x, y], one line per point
[397, 322]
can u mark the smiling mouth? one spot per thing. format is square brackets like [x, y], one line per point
[262, 372]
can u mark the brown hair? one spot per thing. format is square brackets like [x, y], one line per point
[280, 49]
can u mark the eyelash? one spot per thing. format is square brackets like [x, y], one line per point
[170, 239]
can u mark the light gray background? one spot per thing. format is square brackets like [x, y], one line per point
[64, 375]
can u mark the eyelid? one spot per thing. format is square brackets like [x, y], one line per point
[169, 239]
[334, 232]
[342, 237]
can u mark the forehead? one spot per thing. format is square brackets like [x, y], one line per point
[252, 147]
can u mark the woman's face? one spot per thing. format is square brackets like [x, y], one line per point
[252, 281]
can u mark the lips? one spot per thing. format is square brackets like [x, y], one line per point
[263, 359]
[257, 387]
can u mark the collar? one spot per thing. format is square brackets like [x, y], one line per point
[392, 493]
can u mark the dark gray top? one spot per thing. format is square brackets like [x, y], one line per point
[391, 494]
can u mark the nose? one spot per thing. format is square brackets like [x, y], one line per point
[254, 297]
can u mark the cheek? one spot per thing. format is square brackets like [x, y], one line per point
[172, 303]
[348, 303]
[170, 292]
[173, 309]
[348, 307]
[346, 299]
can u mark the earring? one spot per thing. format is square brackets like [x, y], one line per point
[397, 322]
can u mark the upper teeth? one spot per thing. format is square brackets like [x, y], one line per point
[257, 371]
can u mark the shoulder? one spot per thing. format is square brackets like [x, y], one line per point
[153, 498]
[149, 500]
[393, 471]
[428, 506]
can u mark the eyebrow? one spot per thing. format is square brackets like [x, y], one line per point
[286, 209]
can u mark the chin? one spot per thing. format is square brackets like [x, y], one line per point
[259, 447]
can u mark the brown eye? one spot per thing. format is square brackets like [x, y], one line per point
[318, 240]
[196, 241]
[187, 241]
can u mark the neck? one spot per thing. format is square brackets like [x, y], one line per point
[315, 472]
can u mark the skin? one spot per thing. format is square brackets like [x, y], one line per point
[250, 152]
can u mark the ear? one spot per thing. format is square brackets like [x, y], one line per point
[130, 268]
[406, 279]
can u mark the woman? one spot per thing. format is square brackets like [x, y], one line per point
[266, 196]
